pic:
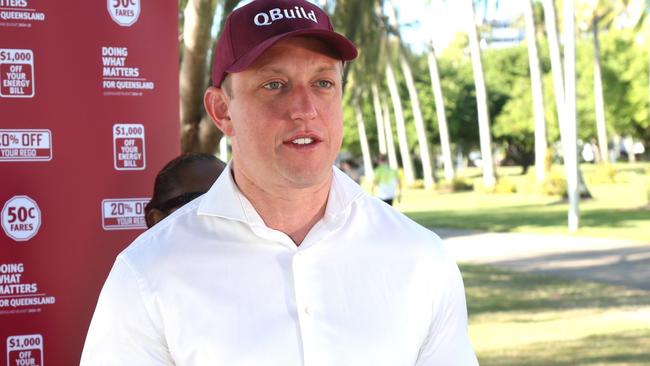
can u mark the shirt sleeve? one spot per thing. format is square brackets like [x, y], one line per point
[448, 343]
[123, 330]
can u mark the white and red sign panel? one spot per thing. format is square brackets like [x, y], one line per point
[88, 115]
[25, 145]
[124, 12]
[21, 218]
[128, 147]
[124, 213]
[25, 350]
[16, 73]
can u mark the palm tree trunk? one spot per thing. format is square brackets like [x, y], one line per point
[489, 179]
[440, 113]
[363, 140]
[570, 146]
[381, 137]
[197, 39]
[409, 177]
[390, 145]
[598, 96]
[423, 142]
[538, 94]
[556, 59]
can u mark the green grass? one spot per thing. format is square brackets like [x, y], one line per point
[536, 320]
[521, 319]
[618, 209]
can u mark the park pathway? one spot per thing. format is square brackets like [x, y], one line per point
[618, 262]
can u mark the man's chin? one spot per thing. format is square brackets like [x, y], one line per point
[306, 178]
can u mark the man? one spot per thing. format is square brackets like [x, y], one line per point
[181, 180]
[284, 261]
[386, 183]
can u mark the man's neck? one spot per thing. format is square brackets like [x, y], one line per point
[293, 211]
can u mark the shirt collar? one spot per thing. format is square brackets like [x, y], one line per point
[225, 200]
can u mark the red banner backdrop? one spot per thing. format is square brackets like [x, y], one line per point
[88, 115]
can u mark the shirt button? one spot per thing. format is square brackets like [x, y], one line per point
[307, 310]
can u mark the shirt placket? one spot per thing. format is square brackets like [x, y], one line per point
[305, 306]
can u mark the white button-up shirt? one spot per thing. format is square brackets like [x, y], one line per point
[213, 285]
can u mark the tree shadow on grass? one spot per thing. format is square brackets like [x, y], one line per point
[628, 266]
[490, 289]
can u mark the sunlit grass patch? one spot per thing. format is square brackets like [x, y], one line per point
[617, 210]
[530, 319]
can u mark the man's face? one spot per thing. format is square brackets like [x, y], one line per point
[286, 115]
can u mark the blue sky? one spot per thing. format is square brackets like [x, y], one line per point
[440, 20]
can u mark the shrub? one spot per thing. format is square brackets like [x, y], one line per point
[554, 184]
[417, 184]
[502, 185]
[461, 185]
[505, 185]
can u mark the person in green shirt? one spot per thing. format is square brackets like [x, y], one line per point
[386, 182]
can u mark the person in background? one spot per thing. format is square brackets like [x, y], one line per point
[181, 180]
[386, 183]
[350, 168]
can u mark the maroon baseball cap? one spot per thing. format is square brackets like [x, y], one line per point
[253, 28]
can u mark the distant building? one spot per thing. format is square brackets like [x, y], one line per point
[501, 34]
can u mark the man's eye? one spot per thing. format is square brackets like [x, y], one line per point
[273, 85]
[324, 84]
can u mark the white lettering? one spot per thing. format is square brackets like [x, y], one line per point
[12, 268]
[312, 16]
[276, 14]
[262, 19]
[265, 19]
[115, 51]
[14, 3]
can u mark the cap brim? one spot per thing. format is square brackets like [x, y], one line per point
[345, 49]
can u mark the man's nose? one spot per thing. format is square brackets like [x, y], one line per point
[302, 104]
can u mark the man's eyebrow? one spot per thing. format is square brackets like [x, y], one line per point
[328, 68]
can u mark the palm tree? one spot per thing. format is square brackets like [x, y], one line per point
[423, 141]
[363, 140]
[357, 20]
[489, 179]
[440, 113]
[197, 17]
[570, 129]
[597, 15]
[390, 145]
[556, 58]
[379, 118]
[409, 177]
[601, 126]
[538, 94]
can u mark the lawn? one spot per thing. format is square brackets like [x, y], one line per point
[535, 320]
[522, 319]
[618, 209]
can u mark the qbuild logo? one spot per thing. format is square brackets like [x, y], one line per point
[273, 15]
[124, 12]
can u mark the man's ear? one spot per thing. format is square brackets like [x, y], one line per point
[216, 103]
